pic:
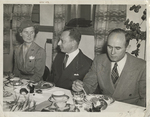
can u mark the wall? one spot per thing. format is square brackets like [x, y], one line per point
[46, 19]
[87, 45]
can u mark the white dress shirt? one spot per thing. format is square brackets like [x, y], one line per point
[72, 56]
[120, 63]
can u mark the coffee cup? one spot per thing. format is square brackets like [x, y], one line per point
[58, 95]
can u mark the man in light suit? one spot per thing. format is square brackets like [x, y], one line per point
[77, 64]
[129, 73]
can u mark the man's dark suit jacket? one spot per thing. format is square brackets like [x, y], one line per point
[75, 70]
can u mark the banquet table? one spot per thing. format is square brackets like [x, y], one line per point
[42, 100]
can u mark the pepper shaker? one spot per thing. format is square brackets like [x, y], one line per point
[31, 87]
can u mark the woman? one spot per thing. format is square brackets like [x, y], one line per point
[29, 57]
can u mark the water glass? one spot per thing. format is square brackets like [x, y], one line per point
[78, 97]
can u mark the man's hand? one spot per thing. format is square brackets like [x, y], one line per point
[77, 85]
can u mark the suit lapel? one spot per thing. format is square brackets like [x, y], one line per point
[125, 78]
[75, 65]
[20, 57]
[30, 52]
[106, 79]
[59, 62]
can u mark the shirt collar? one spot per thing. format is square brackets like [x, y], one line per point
[74, 53]
[120, 63]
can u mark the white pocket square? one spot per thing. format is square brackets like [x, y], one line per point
[32, 57]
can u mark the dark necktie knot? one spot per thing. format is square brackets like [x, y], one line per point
[115, 64]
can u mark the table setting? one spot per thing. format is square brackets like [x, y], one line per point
[23, 95]
[19, 93]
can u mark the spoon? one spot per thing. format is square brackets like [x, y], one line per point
[84, 91]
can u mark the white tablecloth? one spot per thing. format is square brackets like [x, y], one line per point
[114, 107]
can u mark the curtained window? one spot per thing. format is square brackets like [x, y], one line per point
[103, 17]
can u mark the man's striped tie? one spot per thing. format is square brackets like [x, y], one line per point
[114, 74]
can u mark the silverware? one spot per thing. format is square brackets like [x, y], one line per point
[28, 108]
[14, 107]
[17, 99]
[84, 91]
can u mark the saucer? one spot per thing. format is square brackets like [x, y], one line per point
[64, 98]
[14, 79]
[44, 86]
[66, 108]
[6, 94]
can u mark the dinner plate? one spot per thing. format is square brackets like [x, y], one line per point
[97, 103]
[45, 86]
[14, 79]
[25, 81]
[16, 83]
[106, 98]
[64, 98]
[67, 108]
[6, 94]
[5, 77]
[6, 81]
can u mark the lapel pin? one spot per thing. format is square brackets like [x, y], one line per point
[76, 74]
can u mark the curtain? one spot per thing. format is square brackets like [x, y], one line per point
[59, 23]
[62, 14]
[20, 12]
[6, 32]
[107, 17]
[13, 16]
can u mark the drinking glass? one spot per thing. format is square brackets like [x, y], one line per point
[78, 97]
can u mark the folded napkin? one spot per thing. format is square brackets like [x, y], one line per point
[42, 105]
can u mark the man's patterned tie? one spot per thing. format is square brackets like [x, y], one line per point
[114, 74]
